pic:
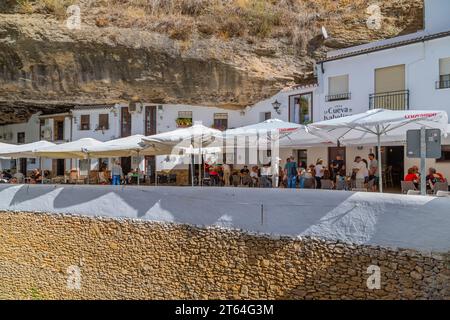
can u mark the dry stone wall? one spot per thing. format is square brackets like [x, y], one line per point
[50, 256]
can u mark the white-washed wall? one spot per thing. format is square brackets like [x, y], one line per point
[422, 71]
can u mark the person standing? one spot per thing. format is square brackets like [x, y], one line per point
[359, 170]
[373, 171]
[290, 171]
[116, 173]
[319, 170]
[336, 166]
[226, 174]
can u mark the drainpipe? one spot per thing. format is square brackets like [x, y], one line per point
[71, 135]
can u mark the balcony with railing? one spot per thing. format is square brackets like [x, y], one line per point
[396, 100]
[338, 97]
[443, 83]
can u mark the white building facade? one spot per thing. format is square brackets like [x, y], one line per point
[407, 72]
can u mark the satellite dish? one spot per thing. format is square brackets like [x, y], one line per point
[324, 32]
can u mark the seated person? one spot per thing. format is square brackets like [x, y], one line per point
[235, 179]
[102, 177]
[130, 178]
[254, 175]
[326, 175]
[6, 175]
[433, 177]
[214, 175]
[36, 176]
[413, 177]
[17, 177]
[266, 174]
[245, 171]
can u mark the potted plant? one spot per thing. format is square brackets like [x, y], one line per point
[183, 122]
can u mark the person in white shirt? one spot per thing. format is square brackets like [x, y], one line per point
[358, 168]
[319, 170]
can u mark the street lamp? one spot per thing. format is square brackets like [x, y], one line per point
[276, 106]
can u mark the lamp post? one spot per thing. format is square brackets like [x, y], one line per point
[276, 106]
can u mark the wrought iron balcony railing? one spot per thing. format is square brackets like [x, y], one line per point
[443, 84]
[337, 97]
[396, 100]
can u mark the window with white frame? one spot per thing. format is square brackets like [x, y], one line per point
[338, 88]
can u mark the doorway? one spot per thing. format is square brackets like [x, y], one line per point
[333, 152]
[59, 130]
[302, 158]
[392, 159]
[59, 167]
[125, 122]
[150, 120]
[23, 166]
[150, 168]
[125, 163]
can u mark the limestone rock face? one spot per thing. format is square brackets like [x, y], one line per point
[44, 65]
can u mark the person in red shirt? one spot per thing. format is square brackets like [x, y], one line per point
[412, 176]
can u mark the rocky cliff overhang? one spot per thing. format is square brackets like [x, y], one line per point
[42, 60]
[214, 53]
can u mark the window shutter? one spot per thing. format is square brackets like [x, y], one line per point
[444, 66]
[338, 85]
[390, 79]
[103, 121]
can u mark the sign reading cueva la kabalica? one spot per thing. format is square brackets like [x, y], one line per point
[338, 111]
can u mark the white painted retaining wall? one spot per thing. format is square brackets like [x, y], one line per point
[414, 222]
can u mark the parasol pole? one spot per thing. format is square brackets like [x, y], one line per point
[42, 171]
[423, 154]
[380, 171]
[139, 163]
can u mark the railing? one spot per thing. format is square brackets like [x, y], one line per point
[337, 97]
[444, 84]
[396, 100]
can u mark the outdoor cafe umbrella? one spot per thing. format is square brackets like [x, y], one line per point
[272, 133]
[70, 150]
[5, 146]
[380, 123]
[26, 151]
[198, 135]
[282, 128]
[122, 147]
[287, 133]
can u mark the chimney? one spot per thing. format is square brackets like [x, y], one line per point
[437, 16]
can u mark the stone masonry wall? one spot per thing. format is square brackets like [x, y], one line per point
[135, 260]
